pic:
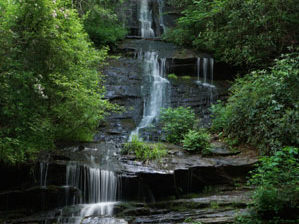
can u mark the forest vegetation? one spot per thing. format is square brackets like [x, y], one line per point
[52, 89]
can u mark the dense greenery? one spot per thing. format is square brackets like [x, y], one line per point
[101, 21]
[144, 151]
[49, 82]
[176, 122]
[240, 32]
[196, 141]
[263, 107]
[276, 197]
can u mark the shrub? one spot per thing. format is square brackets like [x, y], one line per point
[144, 151]
[277, 181]
[196, 141]
[221, 116]
[263, 107]
[276, 196]
[176, 122]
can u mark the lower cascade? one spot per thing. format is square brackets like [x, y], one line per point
[98, 191]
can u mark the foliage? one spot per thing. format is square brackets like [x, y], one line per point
[196, 141]
[144, 151]
[172, 76]
[49, 82]
[102, 24]
[276, 196]
[263, 107]
[244, 33]
[100, 21]
[176, 122]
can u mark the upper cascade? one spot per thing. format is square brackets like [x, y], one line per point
[145, 18]
[151, 18]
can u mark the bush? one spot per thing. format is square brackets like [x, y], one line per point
[263, 107]
[176, 122]
[144, 151]
[221, 116]
[276, 196]
[196, 141]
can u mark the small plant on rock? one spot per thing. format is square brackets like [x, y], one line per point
[196, 141]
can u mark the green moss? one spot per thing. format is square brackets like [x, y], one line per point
[172, 76]
[144, 151]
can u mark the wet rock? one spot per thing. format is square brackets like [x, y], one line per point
[37, 198]
[103, 220]
[219, 148]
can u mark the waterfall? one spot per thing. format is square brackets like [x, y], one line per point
[43, 173]
[155, 71]
[98, 189]
[95, 184]
[161, 5]
[198, 69]
[208, 72]
[145, 19]
[212, 69]
[205, 69]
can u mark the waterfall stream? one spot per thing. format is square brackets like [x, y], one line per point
[97, 187]
[207, 68]
[145, 19]
[158, 98]
[98, 191]
[154, 68]
[43, 173]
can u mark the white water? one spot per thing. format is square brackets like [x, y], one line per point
[205, 69]
[145, 19]
[212, 70]
[158, 90]
[161, 5]
[98, 190]
[43, 173]
[198, 69]
[207, 74]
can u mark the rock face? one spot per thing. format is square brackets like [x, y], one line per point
[123, 81]
[127, 80]
[177, 174]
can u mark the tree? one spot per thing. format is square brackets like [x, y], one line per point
[244, 33]
[50, 86]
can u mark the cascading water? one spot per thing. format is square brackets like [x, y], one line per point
[205, 69]
[212, 69]
[43, 173]
[161, 19]
[207, 72]
[145, 19]
[198, 69]
[158, 89]
[98, 191]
